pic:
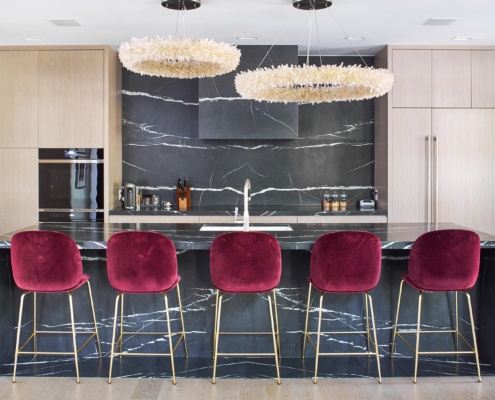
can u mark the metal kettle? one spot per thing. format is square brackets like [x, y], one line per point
[129, 196]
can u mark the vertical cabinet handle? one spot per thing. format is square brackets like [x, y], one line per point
[428, 179]
[435, 176]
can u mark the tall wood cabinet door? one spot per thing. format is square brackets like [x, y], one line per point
[408, 191]
[18, 98]
[18, 189]
[412, 78]
[451, 78]
[483, 78]
[71, 93]
[465, 167]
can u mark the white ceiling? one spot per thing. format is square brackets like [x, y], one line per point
[110, 22]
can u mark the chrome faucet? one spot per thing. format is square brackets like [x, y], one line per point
[247, 197]
[245, 216]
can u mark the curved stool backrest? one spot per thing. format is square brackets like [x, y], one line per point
[141, 262]
[245, 262]
[45, 261]
[445, 260]
[346, 261]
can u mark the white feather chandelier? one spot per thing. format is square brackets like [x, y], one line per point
[310, 83]
[179, 57]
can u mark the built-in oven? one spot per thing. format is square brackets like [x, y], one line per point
[70, 185]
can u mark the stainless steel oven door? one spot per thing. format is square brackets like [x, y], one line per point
[70, 188]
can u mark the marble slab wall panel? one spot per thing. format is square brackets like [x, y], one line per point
[334, 150]
[224, 114]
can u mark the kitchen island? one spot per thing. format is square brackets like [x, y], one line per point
[192, 246]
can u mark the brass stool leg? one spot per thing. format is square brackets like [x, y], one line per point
[215, 325]
[170, 339]
[35, 328]
[374, 337]
[456, 322]
[367, 323]
[121, 324]
[113, 336]
[182, 321]
[274, 336]
[217, 336]
[307, 318]
[418, 330]
[474, 335]
[73, 334]
[277, 332]
[397, 319]
[18, 335]
[318, 338]
[94, 318]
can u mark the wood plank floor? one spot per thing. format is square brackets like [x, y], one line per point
[451, 388]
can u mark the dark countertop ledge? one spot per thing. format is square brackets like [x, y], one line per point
[254, 210]
[393, 236]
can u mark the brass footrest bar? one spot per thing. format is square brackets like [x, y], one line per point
[246, 354]
[274, 333]
[73, 332]
[369, 333]
[117, 340]
[347, 354]
[117, 344]
[244, 333]
[418, 332]
[141, 354]
[33, 336]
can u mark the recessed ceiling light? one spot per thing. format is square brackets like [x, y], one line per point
[355, 38]
[64, 22]
[462, 38]
[247, 37]
[440, 21]
[33, 39]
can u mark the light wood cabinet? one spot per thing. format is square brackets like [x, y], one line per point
[450, 176]
[451, 78]
[412, 78]
[483, 68]
[56, 97]
[18, 99]
[410, 183]
[18, 188]
[464, 160]
[71, 98]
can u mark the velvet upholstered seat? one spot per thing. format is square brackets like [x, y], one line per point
[48, 262]
[442, 261]
[245, 263]
[142, 262]
[344, 263]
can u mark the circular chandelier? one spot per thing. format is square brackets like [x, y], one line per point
[179, 57]
[312, 84]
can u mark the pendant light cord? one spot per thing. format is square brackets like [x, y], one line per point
[345, 35]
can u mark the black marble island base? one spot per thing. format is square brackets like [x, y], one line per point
[249, 312]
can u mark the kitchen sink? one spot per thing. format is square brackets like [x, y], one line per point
[239, 228]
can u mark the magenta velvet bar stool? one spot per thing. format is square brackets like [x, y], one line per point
[141, 262]
[442, 261]
[49, 262]
[245, 263]
[344, 263]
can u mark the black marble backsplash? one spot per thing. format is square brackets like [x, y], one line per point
[161, 143]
